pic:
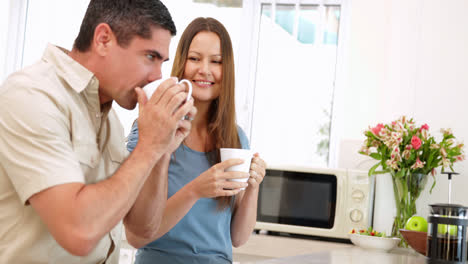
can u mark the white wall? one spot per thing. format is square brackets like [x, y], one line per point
[408, 57]
[4, 11]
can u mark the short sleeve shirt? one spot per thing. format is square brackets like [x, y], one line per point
[53, 131]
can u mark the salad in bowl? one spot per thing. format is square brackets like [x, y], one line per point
[372, 239]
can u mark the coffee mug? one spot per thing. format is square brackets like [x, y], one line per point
[151, 87]
[233, 153]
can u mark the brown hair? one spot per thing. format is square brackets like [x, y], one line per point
[222, 120]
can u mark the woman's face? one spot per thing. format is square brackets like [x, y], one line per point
[204, 66]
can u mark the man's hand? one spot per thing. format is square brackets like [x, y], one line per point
[160, 123]
[184, 126]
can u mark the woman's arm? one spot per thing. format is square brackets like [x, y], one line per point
[245, 208]
[211, 183]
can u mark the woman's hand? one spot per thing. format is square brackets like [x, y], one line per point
[257, 171]
[215, 181]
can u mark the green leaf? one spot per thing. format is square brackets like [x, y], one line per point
[372, 170]
[376, 156]
[433, 185]
[381, 172]
[431, 156]
[400, 192]
[399, 174]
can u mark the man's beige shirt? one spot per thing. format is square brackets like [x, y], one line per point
[52, 131]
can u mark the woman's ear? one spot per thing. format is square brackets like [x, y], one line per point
[103, 39]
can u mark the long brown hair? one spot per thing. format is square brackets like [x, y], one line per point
[222, 120]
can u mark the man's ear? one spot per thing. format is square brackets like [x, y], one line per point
[103, 39]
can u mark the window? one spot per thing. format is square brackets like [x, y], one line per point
[293, 80]
[222, 3]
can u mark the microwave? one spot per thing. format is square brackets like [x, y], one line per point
[320, 202]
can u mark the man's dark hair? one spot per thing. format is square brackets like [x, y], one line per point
[126, 18]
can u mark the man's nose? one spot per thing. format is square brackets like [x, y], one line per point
[155, 74]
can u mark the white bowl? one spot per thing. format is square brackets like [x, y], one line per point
[372, 242]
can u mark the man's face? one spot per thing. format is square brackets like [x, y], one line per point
[135, 65]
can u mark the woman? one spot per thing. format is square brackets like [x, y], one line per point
[205, 214]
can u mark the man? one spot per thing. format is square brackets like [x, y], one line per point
[65, 185]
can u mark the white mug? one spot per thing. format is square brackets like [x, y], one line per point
[151, 87]
[234, 153]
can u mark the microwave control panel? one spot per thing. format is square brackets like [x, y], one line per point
[360, 202]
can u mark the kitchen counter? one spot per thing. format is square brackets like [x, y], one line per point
[268, 249]
[352, 255]
[265, 249]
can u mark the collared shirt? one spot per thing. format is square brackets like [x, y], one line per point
[53, 131]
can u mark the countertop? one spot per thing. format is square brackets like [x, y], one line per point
[269, 249]
[353, 255]
[266, 249]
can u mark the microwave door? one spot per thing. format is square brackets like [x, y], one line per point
[300, 199]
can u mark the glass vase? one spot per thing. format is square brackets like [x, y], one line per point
[407, 187]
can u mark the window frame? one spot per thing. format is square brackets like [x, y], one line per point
[247, 65]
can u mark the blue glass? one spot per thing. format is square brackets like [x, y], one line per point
[307, 26]
[266, 10]
[285, 17]
[330, 34]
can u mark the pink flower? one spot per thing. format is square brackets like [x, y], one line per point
[435, 146]
[396, 157]
[406, 154]
[418, 164]
[392, 164]
[424, 133]
[397, 137]
[365, 150]
[403, 119]
[443, 152]
[416, 142]
[376, 130]
[451, 141]
[446, 131]
[425, 127]
[460, 157]
[445, 162]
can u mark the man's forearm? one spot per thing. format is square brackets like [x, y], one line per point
[144, 217]
[176, 208]
[118, 193]
[85, 213]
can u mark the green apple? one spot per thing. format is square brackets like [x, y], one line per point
[416, 223]
[452, 229]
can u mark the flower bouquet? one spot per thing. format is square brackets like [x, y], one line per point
[409, 153]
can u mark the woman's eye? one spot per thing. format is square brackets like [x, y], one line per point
[218, 62]
[193, 59]
[150, 57]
